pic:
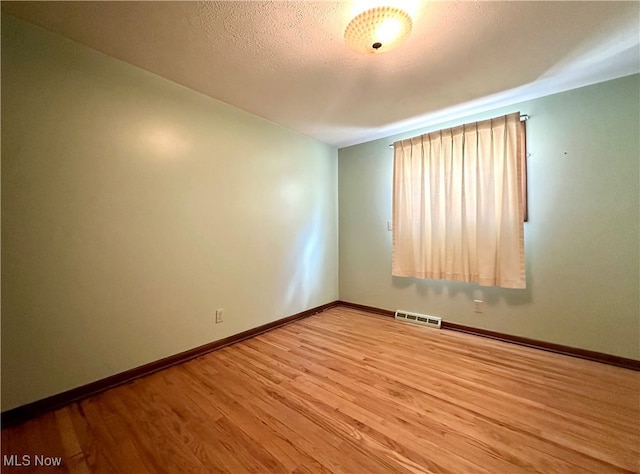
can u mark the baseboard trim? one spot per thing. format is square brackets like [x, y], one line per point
[32, 410]
[522, 341]
[548, 346]
[368, 309]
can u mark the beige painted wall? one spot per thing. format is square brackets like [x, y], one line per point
[133, 207]
[582, 238]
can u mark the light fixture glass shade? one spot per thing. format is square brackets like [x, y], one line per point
[378, 30]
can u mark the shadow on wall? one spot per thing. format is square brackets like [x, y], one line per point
[489, 294]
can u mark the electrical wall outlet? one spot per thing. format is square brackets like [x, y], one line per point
[478, 306]
[219, 317]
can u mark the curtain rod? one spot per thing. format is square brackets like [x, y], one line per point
[523, 118]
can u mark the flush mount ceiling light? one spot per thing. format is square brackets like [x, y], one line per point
[378, 30]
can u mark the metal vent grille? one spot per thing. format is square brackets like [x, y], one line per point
[424, 319]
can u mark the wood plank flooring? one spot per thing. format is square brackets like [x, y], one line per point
[347, 391]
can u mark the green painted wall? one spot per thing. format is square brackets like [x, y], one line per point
[582, 239]
[133, 207]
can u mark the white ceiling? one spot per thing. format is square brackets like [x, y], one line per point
[286, 61]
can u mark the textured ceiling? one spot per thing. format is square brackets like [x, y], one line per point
[287, 62]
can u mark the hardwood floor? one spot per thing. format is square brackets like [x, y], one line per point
[347, 391]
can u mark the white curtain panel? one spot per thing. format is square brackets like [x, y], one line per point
[457, 204]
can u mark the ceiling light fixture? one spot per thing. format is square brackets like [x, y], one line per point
[378, 30]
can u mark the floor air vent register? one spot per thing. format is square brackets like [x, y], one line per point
[424, 319]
